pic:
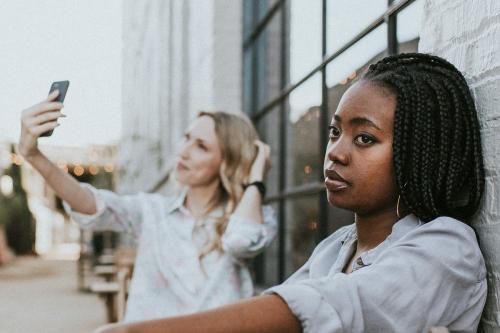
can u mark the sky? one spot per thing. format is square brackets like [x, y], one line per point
[53, 40]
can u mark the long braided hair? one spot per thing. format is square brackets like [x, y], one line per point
[437, 146]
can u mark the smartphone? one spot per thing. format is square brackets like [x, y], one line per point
[62, 86]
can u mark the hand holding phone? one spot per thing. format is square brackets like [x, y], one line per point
[62, 87]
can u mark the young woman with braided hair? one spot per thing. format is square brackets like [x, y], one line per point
[404, 155]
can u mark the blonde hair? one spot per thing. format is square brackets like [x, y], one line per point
[236, 136]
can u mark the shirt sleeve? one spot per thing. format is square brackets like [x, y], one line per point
[245, 238]
[433, 277]
[122, 213]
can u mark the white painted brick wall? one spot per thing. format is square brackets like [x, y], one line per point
[179, 57]
[467, 33]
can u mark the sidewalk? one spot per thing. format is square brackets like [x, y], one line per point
[41, 296]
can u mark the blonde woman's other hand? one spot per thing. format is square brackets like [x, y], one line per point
[262, 162]
[35, 121]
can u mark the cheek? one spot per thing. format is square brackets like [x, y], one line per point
[377, 181]
[206, 165]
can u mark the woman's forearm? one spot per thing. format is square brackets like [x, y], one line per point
[65, 186]
[250, 205]
[263, 314]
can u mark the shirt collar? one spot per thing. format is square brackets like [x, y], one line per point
[399, 229]
[178, 204]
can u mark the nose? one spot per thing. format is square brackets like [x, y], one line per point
[184, 150]
[337, 151]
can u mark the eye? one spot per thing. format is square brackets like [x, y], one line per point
[202, 147]
[334, 132]
[365, 140]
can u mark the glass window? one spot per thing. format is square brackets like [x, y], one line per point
[350, 63]
[268, 128]
[338, 217]
[248, 18]
[300, 232]
[247, 82]
[270, 260]
[304, 40]
[344, 70]
[269, 62]
[303, 155]
[347, 18]
[408, 27]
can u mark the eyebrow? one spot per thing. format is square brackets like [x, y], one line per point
[359, 121]
[188, 134]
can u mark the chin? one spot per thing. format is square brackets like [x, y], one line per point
[339, 201]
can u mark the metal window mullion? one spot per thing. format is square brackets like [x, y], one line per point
[323, 125]
[392, 40]
[282, 145]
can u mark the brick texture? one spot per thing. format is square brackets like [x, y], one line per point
[467, 33]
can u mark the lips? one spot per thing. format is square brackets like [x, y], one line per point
[334, 182]
[181, 166]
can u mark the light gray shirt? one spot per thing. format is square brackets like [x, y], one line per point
[422, 275]
[169, 277]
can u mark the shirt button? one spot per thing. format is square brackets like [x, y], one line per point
[360, 262]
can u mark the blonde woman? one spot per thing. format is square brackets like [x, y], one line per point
[191, 246]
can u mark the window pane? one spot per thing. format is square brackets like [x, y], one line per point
[247, 81]
[350, 63]
[271, 258]
[347, 18]
[248, 18]
[269, 62]
[300, 231]
[263, 7]
[338, 217]
[269, 131]
[304, 41]
[408, 26]
[303, 156]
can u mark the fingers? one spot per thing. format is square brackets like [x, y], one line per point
[43, 107]
[44, 117]
[38, 130]
[263, 148]
[52, 96]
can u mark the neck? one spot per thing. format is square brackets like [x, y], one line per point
[373, 229]
[199, 198]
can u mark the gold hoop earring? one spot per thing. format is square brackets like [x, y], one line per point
[397, 207]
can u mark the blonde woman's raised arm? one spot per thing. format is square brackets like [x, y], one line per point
[39, 119]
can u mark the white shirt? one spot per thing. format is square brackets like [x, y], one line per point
[422, 275]
[168, 279]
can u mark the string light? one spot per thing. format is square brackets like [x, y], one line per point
[109, 167]
[78, 170]
[93, 169]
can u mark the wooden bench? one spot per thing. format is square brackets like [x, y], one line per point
[114, 285]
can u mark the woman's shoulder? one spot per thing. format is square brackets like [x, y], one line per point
[450, 227]
[448, 241]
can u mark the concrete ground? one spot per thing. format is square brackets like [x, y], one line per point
[41, 296]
